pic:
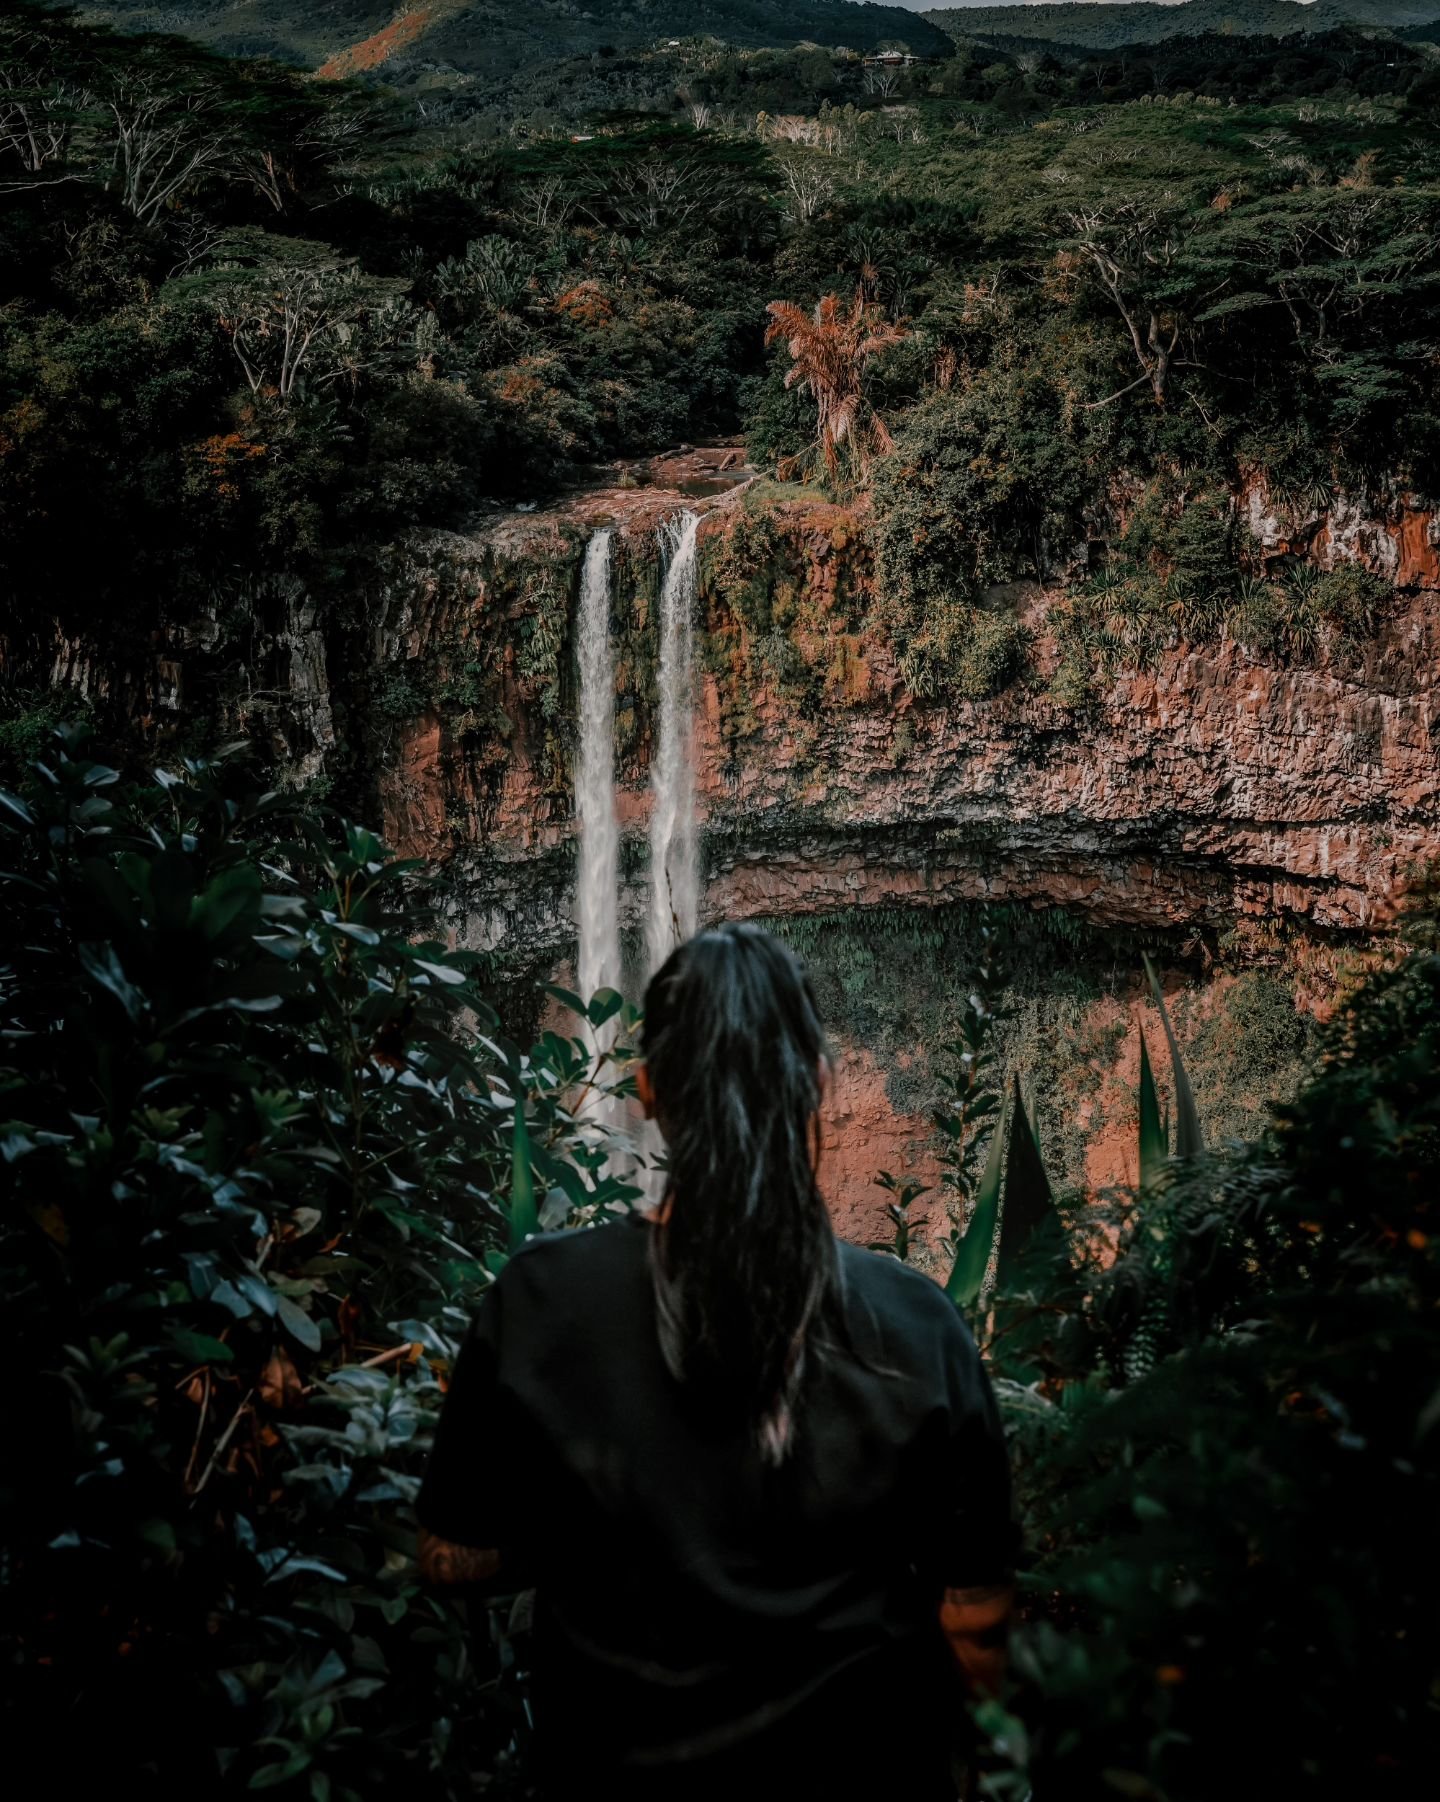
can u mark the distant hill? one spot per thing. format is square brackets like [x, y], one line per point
[489, 38]
[1103, 26]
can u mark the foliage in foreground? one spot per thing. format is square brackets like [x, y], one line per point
[257, 1149]
[1227, 1442]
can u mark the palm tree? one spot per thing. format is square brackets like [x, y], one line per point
[829, 349]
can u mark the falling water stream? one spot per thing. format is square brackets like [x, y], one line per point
[674, 840]
[674, 836]
[597, 895]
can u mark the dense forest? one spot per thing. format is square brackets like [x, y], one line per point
[257, 323]
[265, 1137]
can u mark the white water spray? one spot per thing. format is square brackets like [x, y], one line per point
[674, 839]
[597, 894]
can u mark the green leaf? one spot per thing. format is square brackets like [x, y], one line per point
[972, 1260]
[441, 972]
[524, 1219]
[271, 1776]
[1027, 1199]
[363, 935]
[200, 1348]
[283, 907]
[1154, 1141]
[1129, 1783]
[567, 998]
[297, 1322]
[299, 1566]
[1237, 303]
[233, 894]
[15, 808]
[1189, 1140]
[100, 963]
[1032, 1114]
[604, 1005]
[158, 1532]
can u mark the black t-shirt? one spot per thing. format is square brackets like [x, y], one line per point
[691, 1596]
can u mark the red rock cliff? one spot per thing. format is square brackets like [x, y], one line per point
[1213, 787]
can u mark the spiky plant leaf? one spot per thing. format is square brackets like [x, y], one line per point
[1032, 1112]
[972, 1260]
[1154, 1137]
[1027, 1198]
[1189, 1140]
[524, 1218]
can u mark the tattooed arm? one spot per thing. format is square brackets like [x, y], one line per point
[445, 1565]
[977, 1624]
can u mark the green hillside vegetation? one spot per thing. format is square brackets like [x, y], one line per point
[487, 39]
[1107, 27]
[473, 321]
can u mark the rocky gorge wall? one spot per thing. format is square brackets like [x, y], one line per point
[1215, 801]
[1223, 803]
[1214, 788]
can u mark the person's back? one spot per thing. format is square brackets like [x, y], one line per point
[730, 1574]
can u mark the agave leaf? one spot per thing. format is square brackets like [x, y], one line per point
[972, 1260]
[524, 1217]
[1032, 1113]
[1028, 1201]
[1154, 1138]
[1189, 1140]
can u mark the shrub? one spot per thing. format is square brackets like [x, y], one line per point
[1299, 614]
[779, 422]
[983, 485]
[257, 1169]
[1226, 1448]
[1122, 618]
[1349, 599]
[990, 657]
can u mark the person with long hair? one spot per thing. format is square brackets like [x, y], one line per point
[755, 1475]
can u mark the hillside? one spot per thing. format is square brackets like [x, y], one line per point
[1104, 26]
[481, 38]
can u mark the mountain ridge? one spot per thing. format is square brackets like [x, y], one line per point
[1107, 26]
[485, 37]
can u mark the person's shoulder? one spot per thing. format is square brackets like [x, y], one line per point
[910, 1322]
[898, 1290]
[548, 1258]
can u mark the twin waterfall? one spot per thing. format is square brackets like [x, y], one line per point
[674, 861]
[597, 897]
[674, 836]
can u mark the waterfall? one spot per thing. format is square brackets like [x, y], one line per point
[597, 897]
[674, 839]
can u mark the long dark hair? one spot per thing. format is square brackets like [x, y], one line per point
[744, 1261]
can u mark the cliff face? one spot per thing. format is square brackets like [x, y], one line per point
[1211, 789]
[1216, 795]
